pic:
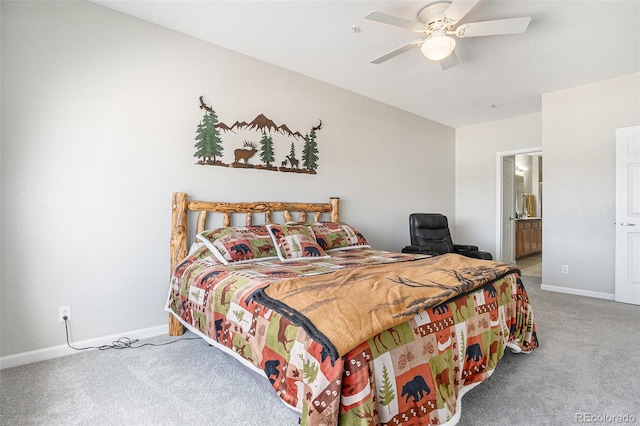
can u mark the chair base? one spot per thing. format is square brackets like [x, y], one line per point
[476, 254]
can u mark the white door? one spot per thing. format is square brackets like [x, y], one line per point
[508, 209]
[628, 215]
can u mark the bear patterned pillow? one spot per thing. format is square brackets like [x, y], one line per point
[338, 236]
[295, 242]
[239, 244]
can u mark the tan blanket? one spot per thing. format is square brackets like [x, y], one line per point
[344, 308]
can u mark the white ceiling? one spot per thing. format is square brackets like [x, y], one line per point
[567, 44]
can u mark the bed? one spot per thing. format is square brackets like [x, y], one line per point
[345, 334]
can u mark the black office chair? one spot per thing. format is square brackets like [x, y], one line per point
[430, 235]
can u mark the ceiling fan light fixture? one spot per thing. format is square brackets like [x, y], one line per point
[438, 47]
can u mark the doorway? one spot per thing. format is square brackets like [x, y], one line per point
[519, 209]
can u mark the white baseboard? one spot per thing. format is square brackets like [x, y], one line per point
[578, 292]
[63, 350]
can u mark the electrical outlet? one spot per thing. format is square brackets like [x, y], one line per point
[64, 311]
[565, 269]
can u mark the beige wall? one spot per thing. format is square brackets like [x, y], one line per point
[99, 112]
[579, 181]
[576, 130]
[476, 176]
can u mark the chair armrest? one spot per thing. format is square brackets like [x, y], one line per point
[464, 247]
[418, 250]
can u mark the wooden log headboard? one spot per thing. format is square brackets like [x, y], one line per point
[181, 206]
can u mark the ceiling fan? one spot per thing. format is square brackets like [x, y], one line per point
[438, 22]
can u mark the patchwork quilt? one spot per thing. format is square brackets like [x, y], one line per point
[410, 373]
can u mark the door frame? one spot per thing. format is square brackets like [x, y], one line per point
[499, 184]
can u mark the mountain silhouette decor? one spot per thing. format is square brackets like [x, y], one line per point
[260, 136]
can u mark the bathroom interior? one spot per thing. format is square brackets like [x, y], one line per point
[528, 229]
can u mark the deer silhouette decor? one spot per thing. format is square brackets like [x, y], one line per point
[293, 161]
[245, 153]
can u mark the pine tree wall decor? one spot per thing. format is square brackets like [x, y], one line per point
[209, 148]
[208, 142]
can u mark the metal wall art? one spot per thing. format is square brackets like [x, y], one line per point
[209, 144]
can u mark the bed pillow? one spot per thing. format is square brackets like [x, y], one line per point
[338, 236]
[239, 244]
[201, 252]
[295, 242]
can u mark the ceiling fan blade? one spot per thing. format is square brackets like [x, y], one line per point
[449, 62]
[459, 8]
[498, 27]
[393, 20]
[397, 51]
